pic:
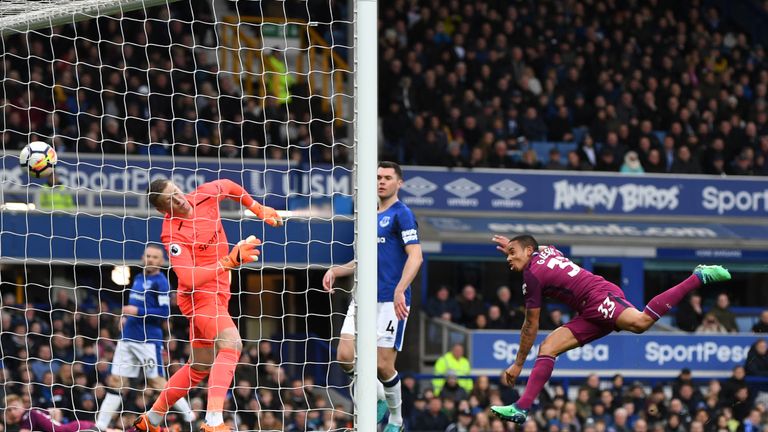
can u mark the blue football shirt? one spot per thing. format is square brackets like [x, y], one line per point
[397, 228]
[150, 295]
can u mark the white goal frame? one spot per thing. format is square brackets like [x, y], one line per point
[17, 16]
[366, 280]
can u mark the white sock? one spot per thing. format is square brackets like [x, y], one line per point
[183, 407]
[214, 418]
[380, 395]
[154, 417]
[394, 399]
[109, 407]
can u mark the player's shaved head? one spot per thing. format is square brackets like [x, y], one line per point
[155, 193]
[526, 240]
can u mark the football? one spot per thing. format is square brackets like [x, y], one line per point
[38, 158]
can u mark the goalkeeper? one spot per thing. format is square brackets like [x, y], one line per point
[198, 250]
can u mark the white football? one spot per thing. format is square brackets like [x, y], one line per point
[38, 158]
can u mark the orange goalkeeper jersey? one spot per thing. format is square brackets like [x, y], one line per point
[197, 242]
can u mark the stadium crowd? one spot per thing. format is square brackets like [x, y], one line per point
[500, 311]
[59, 359]
[663, 87]
[626, 86]
[151, 86]
[656, 87]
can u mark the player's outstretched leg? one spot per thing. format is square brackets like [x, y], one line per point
[178, 386]
[518, 412]
[223, 371]
[702, 275]
[558, 342]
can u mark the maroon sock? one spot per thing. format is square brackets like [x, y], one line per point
[540, 374]
[662, 303]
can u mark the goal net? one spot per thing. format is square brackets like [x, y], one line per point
[127, 91]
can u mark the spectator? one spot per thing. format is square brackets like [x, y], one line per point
[433, 419]
[529, 160]
[684, 162]
[455, 361]
[44, 363]
[495, 320]
[619, 421]
[684, 378]
[575, 163]
[463, 422]
[481, 391]
[552, 320]
[631, 164]
[753, 423]
[757, 359]
[451, 388]
[735, 381]
[761, 326]
[593, 386]
[512, 313]
[710, 324]
[742, 403]
[689, 313]
[409, 395]
[555, 160]
[688, 397]
[443, 306]
[723, 314]
[637, 397]
[533, 127]
[588, 151]
[607, 161]
[500, 158]
[470, 305]
[583, 405]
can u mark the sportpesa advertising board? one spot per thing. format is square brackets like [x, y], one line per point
[657, 354]
[425, 188]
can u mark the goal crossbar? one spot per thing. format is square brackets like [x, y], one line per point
[22, 15]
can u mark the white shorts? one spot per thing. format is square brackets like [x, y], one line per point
[389, 330]
[132, 357]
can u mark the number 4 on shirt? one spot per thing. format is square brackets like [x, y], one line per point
[390, 329]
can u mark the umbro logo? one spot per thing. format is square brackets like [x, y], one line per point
[463, 188]
[507, 189]
[418, 186]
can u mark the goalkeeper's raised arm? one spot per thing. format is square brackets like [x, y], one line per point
[196, 260]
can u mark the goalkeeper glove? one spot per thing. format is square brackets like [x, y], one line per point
[244, 252]
[267, 214]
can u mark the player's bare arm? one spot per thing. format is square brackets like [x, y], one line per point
[411, 269]
[527, 336]
[336, 272]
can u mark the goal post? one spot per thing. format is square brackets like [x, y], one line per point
[366, 80]
[282, 102]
